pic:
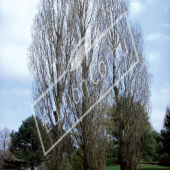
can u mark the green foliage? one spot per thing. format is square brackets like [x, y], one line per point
[165, 160]
[111, 161]
[157, 144]
[69, 167]
[113, 149]
[166, 132]
[10, 164]
[25, 144]
[152, 146]
[77, 162]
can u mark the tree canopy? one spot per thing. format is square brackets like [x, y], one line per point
[166, 132]
[25, 145]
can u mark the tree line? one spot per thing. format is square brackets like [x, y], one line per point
[22, 149]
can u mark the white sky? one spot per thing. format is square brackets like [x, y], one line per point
[16, 18]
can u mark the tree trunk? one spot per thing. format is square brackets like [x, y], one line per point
[32, 166]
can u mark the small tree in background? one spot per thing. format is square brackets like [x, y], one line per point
[25, 144]
[166, 132]
[4, 141]
[152, 145]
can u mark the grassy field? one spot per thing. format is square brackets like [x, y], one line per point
[111, 161]
[110, 165]
[141, 167]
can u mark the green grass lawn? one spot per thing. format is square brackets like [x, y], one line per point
[141, 167]
[115, 167]
[110, 165]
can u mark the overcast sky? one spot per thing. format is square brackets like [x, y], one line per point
[16, 17]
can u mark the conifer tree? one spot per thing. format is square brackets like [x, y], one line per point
[166, 132]
[25, 144]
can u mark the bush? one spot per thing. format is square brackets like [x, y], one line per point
[111, 161]
[77, 163]
[165, 160]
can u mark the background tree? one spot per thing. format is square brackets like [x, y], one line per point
[158, 145]
[165, 132]
[4, 140]
[25, 144]
[4, 143]
[152, 146]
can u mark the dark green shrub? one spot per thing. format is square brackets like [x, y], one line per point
[165, 160]
[111, 161]
[77, 163]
